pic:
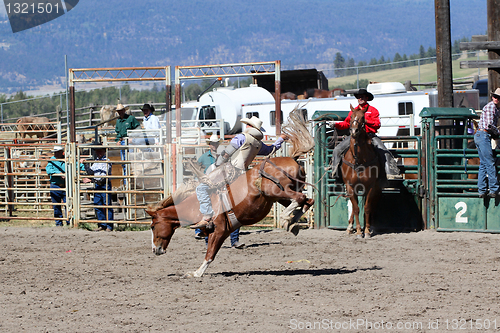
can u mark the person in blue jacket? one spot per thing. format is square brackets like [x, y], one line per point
[56, 169]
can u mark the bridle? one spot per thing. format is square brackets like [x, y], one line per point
[275, 180]
[357, 126]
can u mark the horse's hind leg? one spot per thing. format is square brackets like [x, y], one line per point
[352, 198]
[370, 206]
[350, 227]
[355, 215]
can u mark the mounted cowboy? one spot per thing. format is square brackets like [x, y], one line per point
[238, 155]
[372, 123]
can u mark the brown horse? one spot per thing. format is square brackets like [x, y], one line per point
[286, 95]
[250, 196]
[317, 93]
[360, 171]
[322, 93]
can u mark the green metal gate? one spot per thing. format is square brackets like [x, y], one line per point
[451, 198]
[400, 206]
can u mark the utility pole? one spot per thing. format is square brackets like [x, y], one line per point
[493, 35]
[443, 53]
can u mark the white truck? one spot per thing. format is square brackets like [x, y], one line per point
[397, 107]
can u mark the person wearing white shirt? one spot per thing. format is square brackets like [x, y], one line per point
[150, 122]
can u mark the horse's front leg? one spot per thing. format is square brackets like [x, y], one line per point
[286, 216]
[291, 215]
[200, 271]
[215, 241]
[298, 199]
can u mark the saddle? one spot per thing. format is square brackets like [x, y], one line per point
[224, 174]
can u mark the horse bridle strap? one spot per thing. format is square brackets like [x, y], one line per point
[267, 160]
[268, 176]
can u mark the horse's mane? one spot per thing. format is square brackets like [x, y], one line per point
[183, 191]
[298, 134]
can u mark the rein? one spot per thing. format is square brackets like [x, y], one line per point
[268, 176]
[275, 180]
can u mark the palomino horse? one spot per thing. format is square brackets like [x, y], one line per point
[360, 171]
[251, 196]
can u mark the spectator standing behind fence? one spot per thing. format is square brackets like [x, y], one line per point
[101, 168]
[150, 122]
[124, 123]
[56, 169]
[487, 176]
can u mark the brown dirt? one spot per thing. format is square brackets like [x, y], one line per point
[69, 280]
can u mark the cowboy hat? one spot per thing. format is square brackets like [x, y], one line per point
[57, 148]
[213, 138]
[148, 107]
[496, 93]
[254, 121]
[96, 145]
[120, 107]
[364, 92]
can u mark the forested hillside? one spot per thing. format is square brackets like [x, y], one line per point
[165, 32]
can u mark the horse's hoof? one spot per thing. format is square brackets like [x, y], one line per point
[368, 235]
[294, 229]
[188, 275]
[358, 236]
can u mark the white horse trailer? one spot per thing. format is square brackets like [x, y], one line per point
[399, 109]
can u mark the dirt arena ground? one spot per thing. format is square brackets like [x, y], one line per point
[70, 280]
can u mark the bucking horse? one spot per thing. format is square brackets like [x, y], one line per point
[249, 198]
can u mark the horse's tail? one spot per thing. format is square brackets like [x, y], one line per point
[298, 133]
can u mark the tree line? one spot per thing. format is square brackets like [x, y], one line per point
[346, 67]
[20, 104]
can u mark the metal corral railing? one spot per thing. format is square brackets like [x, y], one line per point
[25, 184]
[306, 161]
[30, 132]
[401, 121]
[452, 201]
[145, 176]
[137, 180]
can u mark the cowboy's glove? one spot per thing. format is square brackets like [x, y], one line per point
[331, 123]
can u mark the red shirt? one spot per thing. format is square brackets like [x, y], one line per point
[372, 120]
